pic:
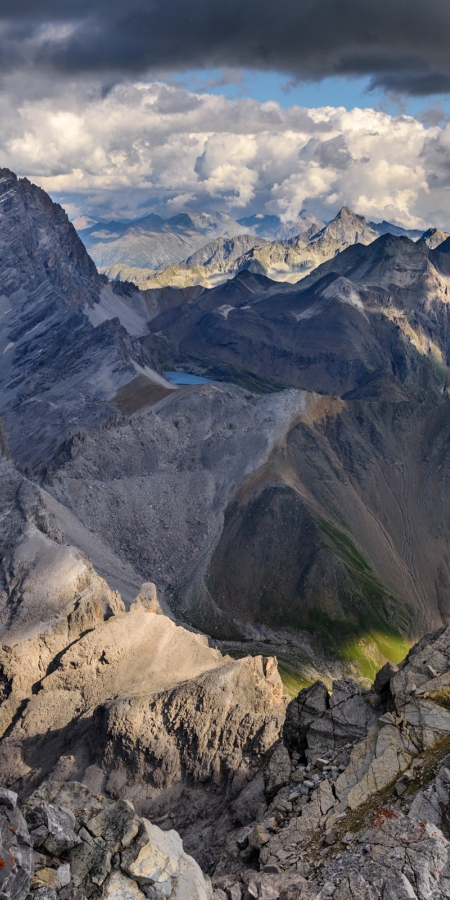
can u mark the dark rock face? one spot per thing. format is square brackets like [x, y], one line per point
[40, 247]
[57, 371]
[310, 705]
[317, 722]
[16, 850]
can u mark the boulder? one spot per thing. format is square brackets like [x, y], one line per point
[384, 676]
[277, 770]
[116, 855]
[16, 851]
[154, 857]
[52, 827]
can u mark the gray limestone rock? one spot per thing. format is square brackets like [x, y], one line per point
[16, 852]
[43, 892]
[425, 807]
[60, 825]
[309, 705]
[318, 722]
[349, 717]
[117, 856]
[277, 770]
[384, 676]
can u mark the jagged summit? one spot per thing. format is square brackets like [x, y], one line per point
[348, 228]
[54, 362]
[433, 237]
[40, 249]
[294, 254]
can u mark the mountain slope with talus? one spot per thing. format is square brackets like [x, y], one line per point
[225, 493]
[369, 311]
[304, 523]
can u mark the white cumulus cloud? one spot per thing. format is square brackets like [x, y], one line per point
[141, 147]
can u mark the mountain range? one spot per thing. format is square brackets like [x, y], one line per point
[152, 241]
[174, 558]
[314, 385]
[283, 259]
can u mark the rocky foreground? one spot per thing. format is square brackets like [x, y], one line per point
[131, 734]
[346, 796]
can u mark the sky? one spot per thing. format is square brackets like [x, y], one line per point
[121, 108]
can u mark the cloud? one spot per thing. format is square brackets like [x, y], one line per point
[402, 45]
[150, 146]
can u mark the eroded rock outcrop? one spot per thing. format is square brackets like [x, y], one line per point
[86, 846]
[128, 701]
[50, 593]
[359, 819]
[207, 729]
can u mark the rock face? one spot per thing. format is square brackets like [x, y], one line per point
[86, 846]
[206, 730]
[361, 818]
[39, 246]
[56, 368]
[317, 722]
[16, 850]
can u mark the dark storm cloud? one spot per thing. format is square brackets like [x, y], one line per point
[403, 45]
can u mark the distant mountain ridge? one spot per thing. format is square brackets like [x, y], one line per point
[272, 227]
[289, 259]
[167, 250]
[153, 242]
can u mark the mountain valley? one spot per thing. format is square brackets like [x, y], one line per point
[178, 558]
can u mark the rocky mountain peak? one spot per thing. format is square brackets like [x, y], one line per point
[348, 228]
[433, 237]
[346, 213]
[40, 250]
